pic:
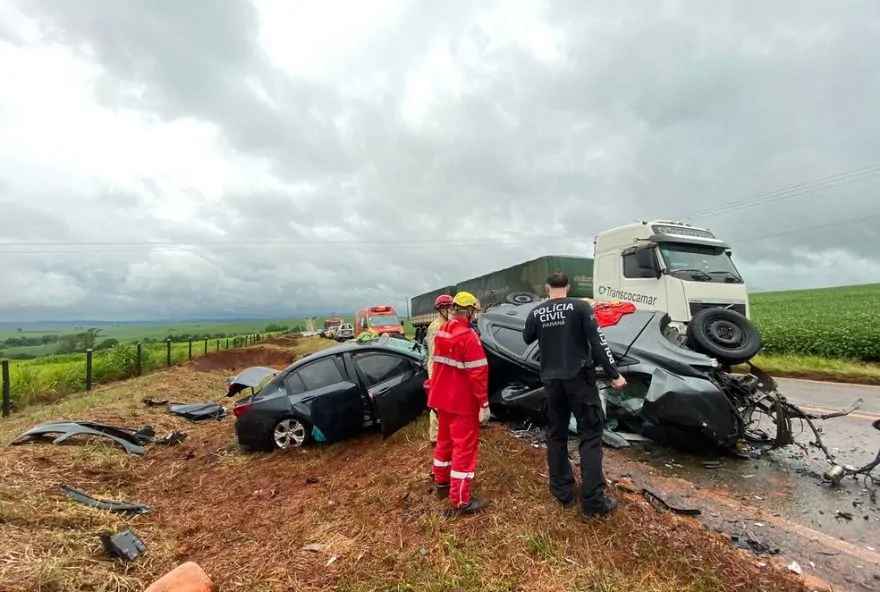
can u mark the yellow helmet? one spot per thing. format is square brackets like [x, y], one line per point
[466, 299]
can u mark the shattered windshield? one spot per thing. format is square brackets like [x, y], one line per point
[384, 320]
[699, 262]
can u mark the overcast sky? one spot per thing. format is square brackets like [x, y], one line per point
[284, 152]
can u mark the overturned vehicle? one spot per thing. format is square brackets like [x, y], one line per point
[676, 395]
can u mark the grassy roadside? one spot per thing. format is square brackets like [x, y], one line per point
[361, 507]
[818, 368]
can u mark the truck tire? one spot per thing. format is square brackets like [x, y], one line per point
[724, 334]
[521, 298]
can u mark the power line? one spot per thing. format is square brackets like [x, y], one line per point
[403, 242]
[794, 231]
[808, 228]
[790, 192]
[284, 247]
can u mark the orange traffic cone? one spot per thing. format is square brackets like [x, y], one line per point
[186, 577]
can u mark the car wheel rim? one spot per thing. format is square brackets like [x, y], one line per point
[289, 432]
[725, 334]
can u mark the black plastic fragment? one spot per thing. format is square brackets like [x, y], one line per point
[755, 546]
[154, 402]
[125, 545]
[198, 411]
[80, 496]
[172, 439]
[660, 504]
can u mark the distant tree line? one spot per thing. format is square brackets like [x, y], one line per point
[90, 339]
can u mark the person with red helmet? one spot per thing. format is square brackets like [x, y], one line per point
[442, 305]
[460, 394]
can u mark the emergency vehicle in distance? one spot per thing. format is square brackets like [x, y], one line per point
[377, 320]
[330, 326]
[658, 265]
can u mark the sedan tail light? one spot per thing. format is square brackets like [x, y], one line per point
[241, 408]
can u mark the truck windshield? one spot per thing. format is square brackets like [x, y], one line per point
[384, 320]
[700, 262]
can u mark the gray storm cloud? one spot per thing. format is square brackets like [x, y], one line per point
[545, 131]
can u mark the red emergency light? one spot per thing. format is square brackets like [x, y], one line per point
[380, 309]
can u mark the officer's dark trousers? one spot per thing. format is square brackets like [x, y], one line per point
[578, 396]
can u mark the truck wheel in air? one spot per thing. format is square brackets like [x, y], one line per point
[521, 298]
[724, 334]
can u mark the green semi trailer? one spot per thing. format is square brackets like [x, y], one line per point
[516, 284]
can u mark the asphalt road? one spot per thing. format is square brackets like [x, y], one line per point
[785, 485]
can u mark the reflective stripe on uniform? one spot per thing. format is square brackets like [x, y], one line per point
[463, 365]
[442, 463]
[460, 475]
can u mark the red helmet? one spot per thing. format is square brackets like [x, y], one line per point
[443, 300]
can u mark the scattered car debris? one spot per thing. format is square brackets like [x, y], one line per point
[795, 567]
[661, 505]
[124, 545]
[154, 402]
[196, 412]
[749, 543]
[80, 496]
[836, 473]
[171, 439]
[315, 548]
[131, 441]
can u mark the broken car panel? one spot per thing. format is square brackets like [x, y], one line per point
[131, 442]
[675, 396]
[198, 411]
[250, 377]
[80, 496]
[335, 394]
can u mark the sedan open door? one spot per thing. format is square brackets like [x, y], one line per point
[395, 387]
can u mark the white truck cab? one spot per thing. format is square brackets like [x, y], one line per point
[668, 266]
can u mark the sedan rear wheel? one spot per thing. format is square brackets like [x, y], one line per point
[290, 432]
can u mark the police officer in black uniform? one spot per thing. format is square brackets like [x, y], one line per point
[571, 344]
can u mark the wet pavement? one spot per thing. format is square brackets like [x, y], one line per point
[778, 500]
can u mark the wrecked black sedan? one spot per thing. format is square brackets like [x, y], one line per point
[675, 396]
[332, 395]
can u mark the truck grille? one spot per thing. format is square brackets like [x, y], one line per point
[698, 306]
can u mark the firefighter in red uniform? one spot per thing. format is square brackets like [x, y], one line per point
[459, 393]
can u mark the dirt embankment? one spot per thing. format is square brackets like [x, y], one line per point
[238, 359]
[286, 341]
[353, 516]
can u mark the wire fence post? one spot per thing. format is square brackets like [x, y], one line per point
[168, 352]
[227, 343]
[138, 362]
[190, 349]
[206, 345]
[7, 397]
[218, 344]
[89, 369]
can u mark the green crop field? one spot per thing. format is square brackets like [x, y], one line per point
[841, 322]
[48, 378]
[121, 333]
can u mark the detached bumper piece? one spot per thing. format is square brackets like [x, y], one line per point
[131, 442]
[81, 497]
[123, 545]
